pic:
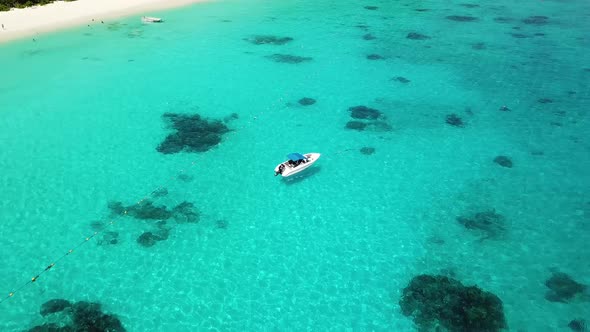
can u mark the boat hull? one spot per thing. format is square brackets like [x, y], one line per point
[289, 170]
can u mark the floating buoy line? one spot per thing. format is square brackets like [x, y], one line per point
[252, 119]
[87, 239]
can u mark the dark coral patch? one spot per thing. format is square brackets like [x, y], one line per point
[191, 134]
[88, 316]
[53, 306]
[577, 325]
[222, 224]
[185, 177]
[367, 150]
[503, 161]
[79, 316]
[454, 120]
[562, 287]
[375, 57]
[460, 18]
[371, 7]
[231, 117]
[288, 58]
[149, 239]
[503, 19]
[401, 79]
[536, 20]
[356, 125]
[306, 101]
[490, 223]
[146, 210]
[108, 238]
[433, 300]
[186, 212]
[417, 36]
[160, 192]
[268, 40]
[364, 112]
[479, 46]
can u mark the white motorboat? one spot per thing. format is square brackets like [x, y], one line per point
[149, 19]
[296, 163]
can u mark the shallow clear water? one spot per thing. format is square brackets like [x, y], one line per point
[332, 249]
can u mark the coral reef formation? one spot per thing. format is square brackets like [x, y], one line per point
[435, 300]
[191, 133]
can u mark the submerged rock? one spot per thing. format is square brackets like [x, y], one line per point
[401, 79]
[306, 101]
[356, 125]
[577, 325]
[53, 306]
[479, 46]
[367, 150]
[375, 57]
[81, 317]
[433, 300]
[562, 287]
[503, 19]
[109, 238]
[417, 36]
[454, 120]
[364, 112]
[503, 161]
[268, 39]
[185, 177]
[287, 58]
[536, 20]
[459, 18]
[146, 210]
[186, 212]
[490, 223]
[149, 239]
[160, 192]
[191, 133]
[89, 317]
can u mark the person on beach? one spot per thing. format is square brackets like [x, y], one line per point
[2, 26]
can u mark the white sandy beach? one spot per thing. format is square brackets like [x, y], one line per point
[27, 22]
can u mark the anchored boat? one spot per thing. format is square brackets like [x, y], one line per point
[296, 163]
[149, 19]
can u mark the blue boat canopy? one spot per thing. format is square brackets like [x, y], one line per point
[296, 156]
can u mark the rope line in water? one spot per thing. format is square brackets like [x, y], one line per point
[252, 119]
[87, 239]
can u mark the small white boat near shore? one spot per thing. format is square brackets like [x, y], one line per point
[149, 19]
[296, 163]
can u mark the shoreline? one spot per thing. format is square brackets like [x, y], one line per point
[33, 21]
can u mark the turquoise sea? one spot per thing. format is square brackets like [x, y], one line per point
[473, 165]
